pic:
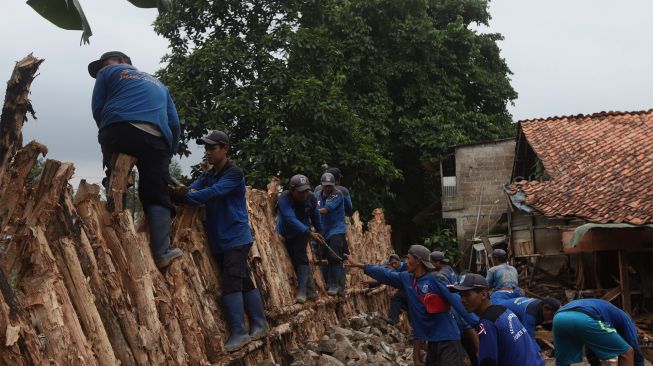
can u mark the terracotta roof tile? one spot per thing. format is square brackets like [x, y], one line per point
[601, 166]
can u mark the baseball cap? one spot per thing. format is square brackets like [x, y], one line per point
[213, 138]
[96, 65]
[328, 179]
[469, 281]
[498, 253]
[437, 256]
[300, 183]
[552, 302]
[422, 253]
[394, 257]
[335, 171]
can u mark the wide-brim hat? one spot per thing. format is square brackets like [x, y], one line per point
[95, 66]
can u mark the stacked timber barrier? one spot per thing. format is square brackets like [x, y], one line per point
[79, 286]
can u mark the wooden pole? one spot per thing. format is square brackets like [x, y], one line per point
[625, 283]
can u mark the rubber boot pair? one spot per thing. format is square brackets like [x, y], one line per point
[235, 306]
[159, 219]
[335, 270]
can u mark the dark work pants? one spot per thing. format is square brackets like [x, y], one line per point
[297, 249]
[469, 347]
[234, 270]
[153, 154]
[317, 252]
[337, 243]
[397, 302]
[444, 353]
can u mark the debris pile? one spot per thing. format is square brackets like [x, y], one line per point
[364, 339]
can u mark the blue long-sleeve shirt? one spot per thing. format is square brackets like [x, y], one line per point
[448, 273]
[295, 218]
[502, 276]
[349, 207]
[504, 340]
[460, 321]
[334, 220]
[528, 310]
[426, 326]
[613, 317]
[223, 194]
[122, 93]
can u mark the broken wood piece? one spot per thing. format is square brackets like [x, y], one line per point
[121, 174]
[612, 294]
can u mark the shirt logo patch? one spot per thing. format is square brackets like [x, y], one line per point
[425, 288]
[481, 329]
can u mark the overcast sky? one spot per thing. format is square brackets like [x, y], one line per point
[567, 56]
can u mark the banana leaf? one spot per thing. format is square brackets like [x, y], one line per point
[162, 5]
[65, 14]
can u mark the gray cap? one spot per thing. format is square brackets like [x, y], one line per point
[213, 138]
[438, 256]
[498, 253]
[394, 256]
[422, 253]
[300, 183]
[328, 179]
[470, 281]
[335, 171]
[96, 65]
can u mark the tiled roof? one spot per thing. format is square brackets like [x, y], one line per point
[601, 166]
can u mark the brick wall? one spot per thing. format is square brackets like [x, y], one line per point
[482, 167]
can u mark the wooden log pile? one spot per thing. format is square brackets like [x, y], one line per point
[79, 285]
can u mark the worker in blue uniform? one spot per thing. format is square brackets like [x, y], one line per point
[502, 278]
[605, 330]
[298, 211]
[332, 208]
[531, 312]
[222, 191]
[503, 339]
[441, 264]
[398, 300]
[136, 116]
[430, 307]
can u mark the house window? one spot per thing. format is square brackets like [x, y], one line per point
[448, 172]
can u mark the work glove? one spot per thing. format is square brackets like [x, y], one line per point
[178, 194]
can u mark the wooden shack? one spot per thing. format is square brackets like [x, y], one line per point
[582, 191]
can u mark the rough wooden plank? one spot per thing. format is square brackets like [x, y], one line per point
[121, 172]
[624, 281]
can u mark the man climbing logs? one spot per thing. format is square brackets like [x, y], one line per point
[332, 208]
[136, 116]
[298, 210]
[222, 191]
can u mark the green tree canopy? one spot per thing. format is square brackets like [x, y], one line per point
[379, 88]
